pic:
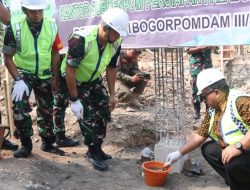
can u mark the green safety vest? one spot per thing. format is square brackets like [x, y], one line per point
[233, 129]
[33, 54]
[93, 64]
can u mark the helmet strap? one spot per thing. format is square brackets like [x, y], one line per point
[107, 27]
[34, 23]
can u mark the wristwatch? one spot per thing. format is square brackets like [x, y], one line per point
[17, 78]
[239, 146]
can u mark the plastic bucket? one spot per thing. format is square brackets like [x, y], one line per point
[154, 175]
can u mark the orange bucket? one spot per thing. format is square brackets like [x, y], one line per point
[154, 175]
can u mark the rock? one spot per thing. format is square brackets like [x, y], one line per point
[119, 126]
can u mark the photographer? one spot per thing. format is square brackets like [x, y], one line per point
[130, 76]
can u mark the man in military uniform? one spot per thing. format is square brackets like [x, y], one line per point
[130, 76]
[5, 19]
[31, 55]
[90, 53]
[4, 14]
[200, 59]
[61, 102]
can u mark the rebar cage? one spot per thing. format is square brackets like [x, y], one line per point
[170, 94]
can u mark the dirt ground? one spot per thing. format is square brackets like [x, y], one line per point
[44, 171]
[72, 172]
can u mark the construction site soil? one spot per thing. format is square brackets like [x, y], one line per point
[128, 133]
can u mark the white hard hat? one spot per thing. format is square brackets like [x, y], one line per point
[207, 77]
[34, 4]
[117, 19]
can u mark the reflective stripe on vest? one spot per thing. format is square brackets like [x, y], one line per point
[33, 54]
[18, 38]
[232, 127]
[93, 63]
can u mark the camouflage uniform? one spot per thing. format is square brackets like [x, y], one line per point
[126, 69]
[42, 91]
[44, 100]
[1, 59]
[1, 41]
[198, 62]
[95, 99]
[6, 144]
[1, 38]
[93, 96]
[61, 102]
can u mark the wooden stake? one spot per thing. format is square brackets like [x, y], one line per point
[8, 97]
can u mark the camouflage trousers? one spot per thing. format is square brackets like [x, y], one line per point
[123, 91]
[95, 100]
[44, 101]
[195, 98]
[0, 110]
[61, 102]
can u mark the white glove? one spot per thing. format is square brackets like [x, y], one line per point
[77, 109]
[173, 157]
[18, 90]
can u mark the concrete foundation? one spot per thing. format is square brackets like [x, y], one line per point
[161, 151]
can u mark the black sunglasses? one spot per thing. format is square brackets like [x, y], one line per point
[203, 96]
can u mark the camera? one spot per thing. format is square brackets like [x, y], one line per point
[144, 75]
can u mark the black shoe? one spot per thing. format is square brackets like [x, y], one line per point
[105, 156]
[97, 161]
[7, 145]
[66, 142]
[50, 148]
[22, 152]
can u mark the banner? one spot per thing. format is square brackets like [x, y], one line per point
[166, 23]
[162, 23]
